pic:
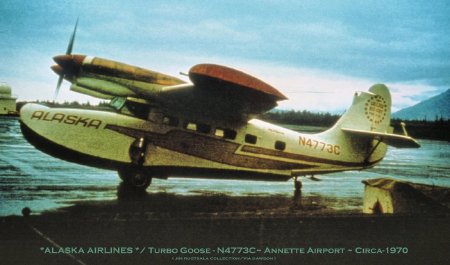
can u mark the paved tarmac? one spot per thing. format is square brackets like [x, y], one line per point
[218, 229]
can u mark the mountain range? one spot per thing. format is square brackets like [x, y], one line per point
[431, 109]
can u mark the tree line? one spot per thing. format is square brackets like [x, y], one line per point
[422, 129]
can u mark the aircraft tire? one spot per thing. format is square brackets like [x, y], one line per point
[135, 179]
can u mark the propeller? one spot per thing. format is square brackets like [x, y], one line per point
[68, 52]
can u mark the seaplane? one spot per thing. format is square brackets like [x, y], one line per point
[160, 126]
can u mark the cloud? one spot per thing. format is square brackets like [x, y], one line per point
[312, 89]
[325, 91]
[307, 88]
[333, 47]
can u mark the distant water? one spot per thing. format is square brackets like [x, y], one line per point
[31, 178]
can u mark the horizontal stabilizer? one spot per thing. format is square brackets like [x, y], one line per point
[396, 140]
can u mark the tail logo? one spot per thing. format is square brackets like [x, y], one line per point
[376, 110]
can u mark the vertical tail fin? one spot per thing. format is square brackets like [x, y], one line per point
[369, 118]
[370, 111]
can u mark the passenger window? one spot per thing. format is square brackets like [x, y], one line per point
[171, 121]
[225, 133]
[251, 139]
[219, 132]
[199, 127]
[279, 145]
[203, 128]
[190, 126]
[230, 134]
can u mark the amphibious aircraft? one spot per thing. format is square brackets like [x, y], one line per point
[160, 126]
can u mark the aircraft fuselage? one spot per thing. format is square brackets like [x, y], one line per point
[174, 145]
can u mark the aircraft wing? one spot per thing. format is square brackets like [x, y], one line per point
[216, 91]
[219, 91]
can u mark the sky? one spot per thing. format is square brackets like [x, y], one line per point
[317, 53]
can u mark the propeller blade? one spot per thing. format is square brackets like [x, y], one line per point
[68, 52]
[72, 39]
[58, 85]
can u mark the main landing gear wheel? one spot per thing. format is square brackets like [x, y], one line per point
[133, 175]
[135, 178]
